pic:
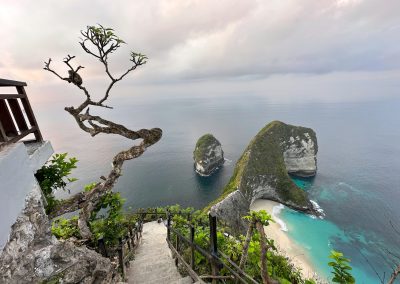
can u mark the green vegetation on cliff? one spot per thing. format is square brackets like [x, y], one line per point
[202, 145]
[262, 163]
[234, 182]
[266, 159]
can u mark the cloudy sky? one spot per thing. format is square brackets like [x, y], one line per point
[324, 49]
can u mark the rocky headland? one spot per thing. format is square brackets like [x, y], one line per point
[263, 170]
[208, 155]
[34, 255]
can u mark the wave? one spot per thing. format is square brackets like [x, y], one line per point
[349, 187]
[318, 209]
[228, 162]
[276, 210]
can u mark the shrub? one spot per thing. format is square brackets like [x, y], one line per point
[341, 268]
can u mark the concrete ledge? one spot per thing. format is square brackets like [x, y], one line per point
[39, 153]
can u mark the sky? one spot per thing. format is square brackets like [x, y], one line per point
[325, 50]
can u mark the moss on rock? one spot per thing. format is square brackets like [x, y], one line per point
[208, 155]
[262, 170]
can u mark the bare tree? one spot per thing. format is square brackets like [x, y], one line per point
[100, 42]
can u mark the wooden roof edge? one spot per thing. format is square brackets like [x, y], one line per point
[11, 83]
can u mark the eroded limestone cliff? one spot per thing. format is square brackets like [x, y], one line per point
[208, 155]
[34, 255]
[263, 172]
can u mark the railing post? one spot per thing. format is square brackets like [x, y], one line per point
[213, 245]
[102, 247]
[177, 248]
[18, 115]
[169, 226]
[129, 241]
[213, 234]
[121, 257]
[7, 122]
[132, 237]
[29, 113]
[192, 246]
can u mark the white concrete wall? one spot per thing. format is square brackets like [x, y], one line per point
[41, 153]
[17, 179]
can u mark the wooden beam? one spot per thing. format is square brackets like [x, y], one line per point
[11, 83]
[29, 112]
[7, 122]
[18, 115]
[3, 137]
[18, 137]
[11, 96]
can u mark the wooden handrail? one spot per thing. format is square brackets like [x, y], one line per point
[16, 116]
[130, 240]
[189, 269]
[216, 258]
[11, 83]
[11, 96]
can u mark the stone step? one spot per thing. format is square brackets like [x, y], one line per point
[163, 280]
[151, 259]
[160, 268]
[153, 263]
[152, 252]
[185, 280]
[151, 276]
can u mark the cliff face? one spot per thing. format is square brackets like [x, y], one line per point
[300, 154]
[208, 155]
[263, 171]
[33, 254]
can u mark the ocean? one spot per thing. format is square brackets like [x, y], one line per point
[357, 183]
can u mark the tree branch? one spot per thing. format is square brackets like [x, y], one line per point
[105, 42]
[395, 273]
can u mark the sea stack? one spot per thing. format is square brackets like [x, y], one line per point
[263, 170]
[208, 155]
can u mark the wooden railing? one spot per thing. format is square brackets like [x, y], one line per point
[16, 116]
[216, 258]
[126, 246]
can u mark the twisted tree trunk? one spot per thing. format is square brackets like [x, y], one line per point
[394, 275]
[246, 244]
[264, 268]
[105, 42]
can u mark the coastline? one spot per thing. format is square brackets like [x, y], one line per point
[297, 254]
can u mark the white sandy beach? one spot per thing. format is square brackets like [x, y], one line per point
[285, 245]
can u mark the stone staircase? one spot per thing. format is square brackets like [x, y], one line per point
[153, 261]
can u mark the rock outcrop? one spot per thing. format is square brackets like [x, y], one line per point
[208, 155]
[34, 255]
[263, 171]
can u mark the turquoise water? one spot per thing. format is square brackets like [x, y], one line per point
[357, 183]
[318, 236]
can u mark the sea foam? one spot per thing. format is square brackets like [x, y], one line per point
[228, 162]
[318, 209]
[276, 210]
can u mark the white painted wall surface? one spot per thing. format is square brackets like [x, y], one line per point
[17, 179]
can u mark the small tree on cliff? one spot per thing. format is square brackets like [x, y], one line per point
[100, 42]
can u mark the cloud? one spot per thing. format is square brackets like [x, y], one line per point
[285, 37]
[203, 40]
